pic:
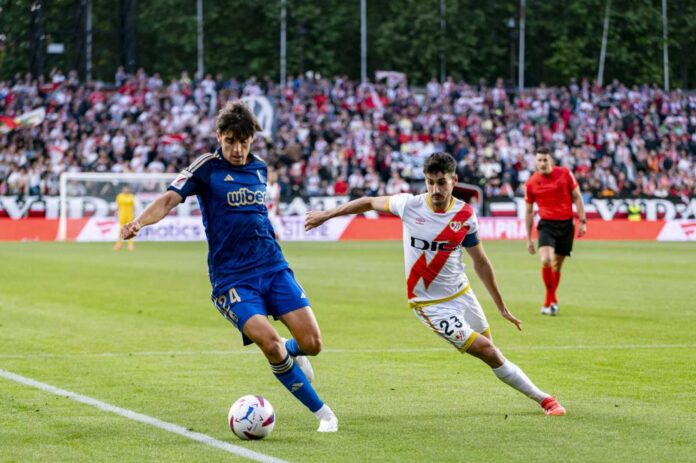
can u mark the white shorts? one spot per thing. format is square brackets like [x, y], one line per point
[459, 321]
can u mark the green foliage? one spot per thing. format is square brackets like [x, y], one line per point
[563, 38]
[573, 45]
[106, 54]
[409, 38]
[14, 27]
[314, 36]
[682, 42]
[166, 34]
[635, 46]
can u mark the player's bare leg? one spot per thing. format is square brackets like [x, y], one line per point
[305, 329]
[306, 338]
[547, 255]
[131, 245]
[262, 333]
[509, 373]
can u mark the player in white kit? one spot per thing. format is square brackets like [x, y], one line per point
[436, 227]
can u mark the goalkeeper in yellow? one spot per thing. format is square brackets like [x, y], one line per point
[125, 202]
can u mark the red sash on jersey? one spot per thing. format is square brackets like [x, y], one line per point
[450, 234]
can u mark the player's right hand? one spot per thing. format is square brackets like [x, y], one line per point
[313, 219]
[510, 317]
[130, 229]
[530, 247]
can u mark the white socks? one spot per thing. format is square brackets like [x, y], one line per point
[513, 376]
[324, 413]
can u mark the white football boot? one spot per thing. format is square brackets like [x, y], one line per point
[328, 422]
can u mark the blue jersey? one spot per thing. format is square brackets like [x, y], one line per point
[241, 240]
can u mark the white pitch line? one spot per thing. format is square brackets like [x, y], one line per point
[131, 415]
[128, 354]
[607, 347]
[337, 351]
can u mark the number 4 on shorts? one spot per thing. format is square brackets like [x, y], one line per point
[234, 296]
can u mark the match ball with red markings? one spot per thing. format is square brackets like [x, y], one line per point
[251, 417]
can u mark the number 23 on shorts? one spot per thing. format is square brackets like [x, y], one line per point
[445, 325]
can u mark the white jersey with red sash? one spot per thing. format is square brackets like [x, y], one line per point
[433, 247]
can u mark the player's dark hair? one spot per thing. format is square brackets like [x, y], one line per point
[237, 118]
[440, 162]
[543, 150]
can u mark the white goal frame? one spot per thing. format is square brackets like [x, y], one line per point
[98, 176]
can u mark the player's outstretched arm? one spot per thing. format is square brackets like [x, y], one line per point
[580, 207]
[529, 222]
[357, 206]
[153, 213]
[484, 270]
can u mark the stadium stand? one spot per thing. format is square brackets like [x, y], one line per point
[337, 136]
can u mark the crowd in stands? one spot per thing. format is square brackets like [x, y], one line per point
[340, 137]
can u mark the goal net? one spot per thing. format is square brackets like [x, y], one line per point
[88, 210]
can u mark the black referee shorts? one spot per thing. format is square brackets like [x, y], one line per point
[558, 234]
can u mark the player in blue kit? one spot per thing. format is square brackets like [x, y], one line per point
[250, 277]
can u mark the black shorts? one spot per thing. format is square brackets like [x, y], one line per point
[558, 234]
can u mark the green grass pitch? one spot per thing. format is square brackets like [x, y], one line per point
[137, 330]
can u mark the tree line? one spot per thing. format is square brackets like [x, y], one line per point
[563, 38]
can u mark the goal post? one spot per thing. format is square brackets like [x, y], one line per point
[93, 194]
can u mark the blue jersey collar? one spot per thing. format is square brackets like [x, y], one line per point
[251, 158]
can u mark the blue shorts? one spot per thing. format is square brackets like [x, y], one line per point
[270, 294]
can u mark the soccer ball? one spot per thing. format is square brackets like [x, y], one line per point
[251, 417]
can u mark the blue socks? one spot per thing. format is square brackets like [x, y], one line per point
[295, 381]
[293, 348]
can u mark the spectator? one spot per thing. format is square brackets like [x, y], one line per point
[337, 136]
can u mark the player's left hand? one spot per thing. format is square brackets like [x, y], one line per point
[530, 247]
[130, 229]
[313, 219]
[582, 229]
[510, 317]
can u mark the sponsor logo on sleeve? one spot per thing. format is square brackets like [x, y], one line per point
[181, 179]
